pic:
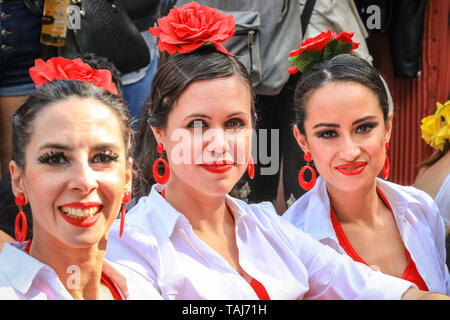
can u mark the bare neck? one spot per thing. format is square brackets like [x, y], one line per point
[205, 213]
[79, 269]
[361, 206]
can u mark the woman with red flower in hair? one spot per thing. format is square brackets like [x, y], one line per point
[344, 125]
[186, 236]
[72, 166]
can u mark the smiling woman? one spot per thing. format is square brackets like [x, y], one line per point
[186, 237]
[344, 125]
[71, 164]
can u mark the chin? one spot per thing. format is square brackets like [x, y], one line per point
[218, 189]
[84, 240]
[353, 184]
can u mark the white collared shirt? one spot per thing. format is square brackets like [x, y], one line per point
[22, 277]
[159, 245]
[417, 217]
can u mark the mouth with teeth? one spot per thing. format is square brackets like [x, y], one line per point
[81, 214]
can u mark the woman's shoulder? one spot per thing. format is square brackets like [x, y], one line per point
[429, 180]
[260, 210]
[418, 202]
[18, 272]
[314, 204]
[411, 193]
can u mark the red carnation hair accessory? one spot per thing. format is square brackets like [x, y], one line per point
[187, 28]
[59, 68]
[320, 48]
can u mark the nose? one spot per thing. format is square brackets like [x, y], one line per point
[349, 149]
[217, 142]
[83, 178]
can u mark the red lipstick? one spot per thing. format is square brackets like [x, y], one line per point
[83, 223]
[352, 168]
[218, 167]
[82, 205]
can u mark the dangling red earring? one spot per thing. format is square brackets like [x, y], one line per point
[301, 179]
[161, 179]
[126, 199]
[251, 168]
[20, 233]
[386, 166]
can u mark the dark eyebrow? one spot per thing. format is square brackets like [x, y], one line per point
[198, 115]
[236, 114]
[333, 125]
[55, 146]
[106, 146]
[66, 148]
[364, 119]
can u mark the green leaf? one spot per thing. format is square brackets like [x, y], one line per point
[343, 47]
[303, 60]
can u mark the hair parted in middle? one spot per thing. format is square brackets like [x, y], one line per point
[173, 76]
[343, 67]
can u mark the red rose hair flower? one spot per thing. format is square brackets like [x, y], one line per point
[320, 48]
[187, 28]
[59, 68]
[315, 43]
[347, 38]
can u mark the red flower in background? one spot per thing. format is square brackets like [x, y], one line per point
[320, 48]
[346, 37]
[315, 43]
[186, 28]
[59, 68]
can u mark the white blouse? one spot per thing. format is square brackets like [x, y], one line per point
[22, 277]
[442, 200]
[417, 217]
[159, 245]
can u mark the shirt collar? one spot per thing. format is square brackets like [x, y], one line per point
[167, 221]
[397, 196]
[18, 267]
[319, 223]
[239, 209]
[164, 222]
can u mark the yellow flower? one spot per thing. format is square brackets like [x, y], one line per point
[436, 128]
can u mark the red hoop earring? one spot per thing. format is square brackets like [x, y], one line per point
[301, 179]
[161, 179]
[126, 199]
[20, 232]
[251, 168]
[386, 167]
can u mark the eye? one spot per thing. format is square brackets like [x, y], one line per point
[366, 127]
[106, 156]
[235, 123]
[54, 158]
[197, 124]
[328, 134]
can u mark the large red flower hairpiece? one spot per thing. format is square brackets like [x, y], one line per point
[320, 48]
[187, 28]
[59, 68]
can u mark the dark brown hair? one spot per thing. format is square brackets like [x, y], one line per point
[172, 78]
[436, 156]
[56, 91]
[344, 67]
